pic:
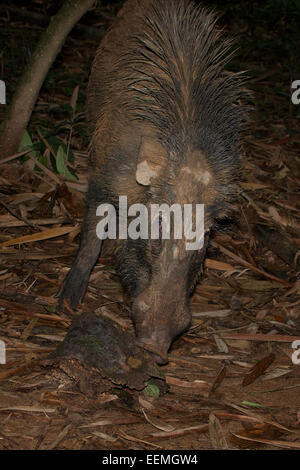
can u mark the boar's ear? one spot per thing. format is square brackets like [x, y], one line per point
[152, 160]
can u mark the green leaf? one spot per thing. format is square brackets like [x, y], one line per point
[26, 142]
[255, 405]
[151, 390]
[61, 165]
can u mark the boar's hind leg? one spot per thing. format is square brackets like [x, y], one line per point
[76, 282]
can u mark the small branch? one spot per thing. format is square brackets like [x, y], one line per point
[28, 88]
[17, 216]
[241, 261]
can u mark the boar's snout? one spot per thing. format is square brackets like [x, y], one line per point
[159, 318]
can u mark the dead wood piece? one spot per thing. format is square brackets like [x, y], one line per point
[98, 355]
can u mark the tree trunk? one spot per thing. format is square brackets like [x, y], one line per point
[25, 96]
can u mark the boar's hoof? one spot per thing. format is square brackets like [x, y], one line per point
[73, 290]
[72, 298]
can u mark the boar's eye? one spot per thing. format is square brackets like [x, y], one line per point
[160, 226]
[156, 228]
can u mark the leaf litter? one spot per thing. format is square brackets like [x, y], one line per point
[245, 310]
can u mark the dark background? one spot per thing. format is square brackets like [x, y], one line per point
[267, 38]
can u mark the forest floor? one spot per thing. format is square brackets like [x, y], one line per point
[232, 380]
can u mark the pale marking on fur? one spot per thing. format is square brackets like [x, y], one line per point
[143, 306]
[144, 173]
[175, 252]
[200, 175]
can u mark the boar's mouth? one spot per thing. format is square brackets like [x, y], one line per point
[159, 322]
[160, 355]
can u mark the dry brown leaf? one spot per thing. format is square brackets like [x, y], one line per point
[30, 409]
[44, 235]
[213, 313]
[218, 380]
[278, 372]
[145, 403]
[158, 423]
[111, 422]
[216, 434]
[104, 436]
[219, 265]
[196, 384]
[221, 345]
[258, 369]
[284, 444]
[260, 337]
[258, 417]
[59, 438]
[182, 431]
[135, 439]
[74, 97]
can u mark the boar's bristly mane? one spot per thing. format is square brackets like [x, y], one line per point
[176, 80]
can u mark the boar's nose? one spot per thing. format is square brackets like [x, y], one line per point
[156, 327]
[157, 348]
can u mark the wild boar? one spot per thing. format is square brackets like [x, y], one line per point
[165, 121]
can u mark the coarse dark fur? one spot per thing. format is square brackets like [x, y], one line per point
[169, 70]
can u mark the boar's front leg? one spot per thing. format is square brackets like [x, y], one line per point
[76, 282]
